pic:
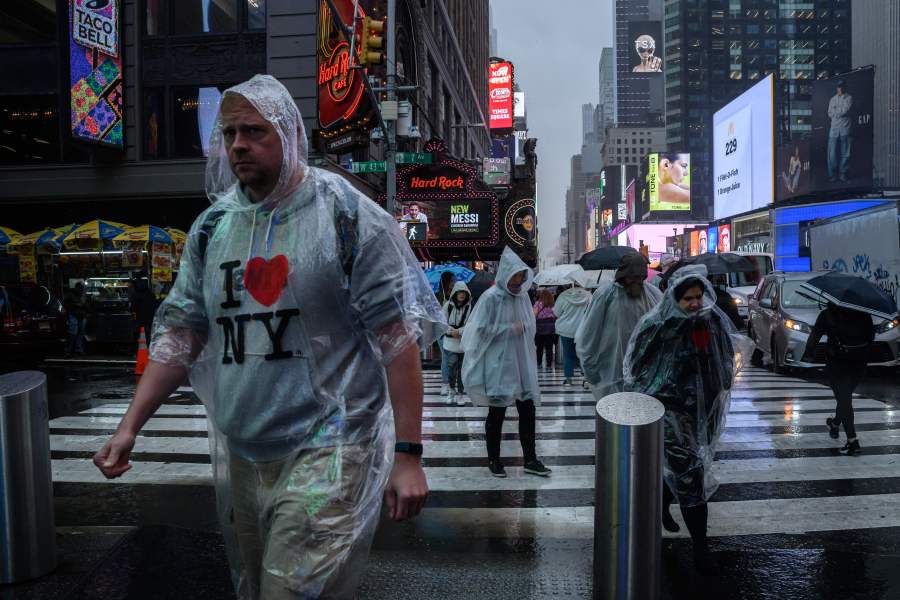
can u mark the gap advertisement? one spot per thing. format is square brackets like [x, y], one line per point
[743, 152]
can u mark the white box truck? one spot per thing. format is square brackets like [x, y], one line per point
[865, 243]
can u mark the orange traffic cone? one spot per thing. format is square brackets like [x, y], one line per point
[142, 356]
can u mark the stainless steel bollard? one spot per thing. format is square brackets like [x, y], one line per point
[27, 531]
[628, 505]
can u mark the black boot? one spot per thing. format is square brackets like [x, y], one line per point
[695, 517]
[668, 522]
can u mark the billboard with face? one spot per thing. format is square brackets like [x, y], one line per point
[743, 152]
[646, 41]
[500, 95]
[669, 182]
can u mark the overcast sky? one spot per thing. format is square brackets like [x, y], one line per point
[555, 47]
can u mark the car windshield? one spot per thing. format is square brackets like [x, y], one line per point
[793, 299]
[763, 268]
[30, 299]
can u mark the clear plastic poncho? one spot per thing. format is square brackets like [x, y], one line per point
[688, 362]
[602, 338]
[571, 307]
[500, 364]
[286, 313]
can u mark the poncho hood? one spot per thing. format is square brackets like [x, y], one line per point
[460, 286]
[510, 264]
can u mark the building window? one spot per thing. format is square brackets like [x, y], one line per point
[256, 15]
[27, 22]
[29, 129]
[204, 16]
[154, 145]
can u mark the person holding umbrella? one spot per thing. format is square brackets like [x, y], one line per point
[851, 302]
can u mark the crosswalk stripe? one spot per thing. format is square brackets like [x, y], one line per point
[775, 446]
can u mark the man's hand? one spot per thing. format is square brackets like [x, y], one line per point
[407, 488]
[113, 458]
[655, 63]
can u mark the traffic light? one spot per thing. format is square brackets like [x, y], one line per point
[371, 43]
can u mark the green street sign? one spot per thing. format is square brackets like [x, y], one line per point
[421, 158]
[369, 167]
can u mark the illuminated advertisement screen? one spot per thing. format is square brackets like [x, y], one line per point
[712, 240]
[469, 219]
[724, 238]
[695, 243]
[95, 73]
[500, 95]
[669, 182]
[646, 42]
[702, 244]
[743, 148]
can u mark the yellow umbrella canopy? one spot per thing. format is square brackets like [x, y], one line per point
[7, 235]
[144, 233]
[96, 230]
[177, 234]
[37, 238]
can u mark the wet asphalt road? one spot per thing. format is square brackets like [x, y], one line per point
[144, 541]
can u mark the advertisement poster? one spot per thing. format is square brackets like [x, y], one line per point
[724, 238]
[646, 41]
[521, 222]
[27, 268]
[500, 95]
[712, 239]
[702, 245]
[669, 182]
[843, 129]
[629, 202]
[95, 73]
[448, 221]
[743, 152]
[794, 170]
[161, 262]
[132, 255]
[695, 242]
[519, 105]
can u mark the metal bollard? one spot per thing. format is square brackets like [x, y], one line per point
[27, 531]
[628, 506]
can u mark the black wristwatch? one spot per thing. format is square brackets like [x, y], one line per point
[408, 448]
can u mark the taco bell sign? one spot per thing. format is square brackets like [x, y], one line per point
[500, 95]
[95, 25]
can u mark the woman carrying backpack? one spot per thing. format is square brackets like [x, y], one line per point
[457, 309]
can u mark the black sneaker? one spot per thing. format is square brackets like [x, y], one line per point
[496, 468]
[536, 467]
[669, 523]
[834, 431]
[851, 448]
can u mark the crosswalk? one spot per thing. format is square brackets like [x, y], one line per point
[780, 473]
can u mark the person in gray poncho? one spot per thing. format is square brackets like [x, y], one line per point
[500, 364]
[683, 354]
[296, 314]
[614, 312]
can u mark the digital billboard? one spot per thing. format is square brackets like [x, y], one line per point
[724, 238]
[95, 73]
[669, 181]
[794, 170]
[743, 152]
[469, 219]
[843, 130]
[647, 41]
[500, 95]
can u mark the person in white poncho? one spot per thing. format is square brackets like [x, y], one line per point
[571, 307]
[500, 364]
[296, 314]
[614, 312]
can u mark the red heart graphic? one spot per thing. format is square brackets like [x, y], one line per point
[265, 279]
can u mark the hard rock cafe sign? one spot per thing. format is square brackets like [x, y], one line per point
[343, 103]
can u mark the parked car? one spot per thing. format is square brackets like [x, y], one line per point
[781, 320]
[742, 285]
[32, 321]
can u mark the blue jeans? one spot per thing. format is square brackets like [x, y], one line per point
[75, 329]
[834, 169]
[569, 356]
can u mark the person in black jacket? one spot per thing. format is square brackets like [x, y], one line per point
[850, 335]
[144, 305]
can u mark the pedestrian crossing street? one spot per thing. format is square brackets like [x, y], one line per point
[780, 473]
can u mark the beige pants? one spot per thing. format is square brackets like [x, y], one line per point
[302, 529]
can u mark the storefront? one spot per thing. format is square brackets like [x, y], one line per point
[752, 233]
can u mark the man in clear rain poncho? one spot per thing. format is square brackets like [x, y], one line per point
[296, 314]
[500, 361]
[614, 312]
[683, 353]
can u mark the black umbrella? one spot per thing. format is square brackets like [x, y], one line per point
[479, 283]
[608, 257]
[850, 292]
[721, 264]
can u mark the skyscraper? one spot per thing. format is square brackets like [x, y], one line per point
[588, 126]
[607, 104]
[876, 27]
[639, 63]
[715, 50]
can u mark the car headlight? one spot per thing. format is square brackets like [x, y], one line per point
[887, 326]
[797, 326]
[737, 301]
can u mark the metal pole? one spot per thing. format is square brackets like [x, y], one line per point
[27, 531]
[628, 507]
[390, 155]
